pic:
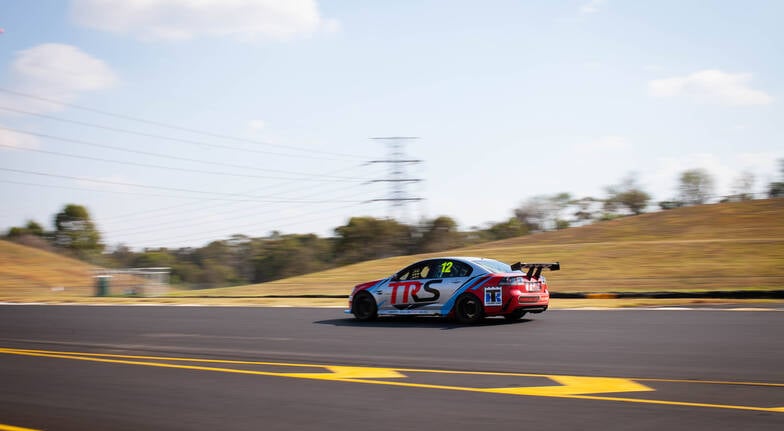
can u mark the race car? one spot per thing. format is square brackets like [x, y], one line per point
[467, 288]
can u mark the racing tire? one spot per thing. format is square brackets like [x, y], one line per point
[515, 315]
[364, 307]
[468, 309]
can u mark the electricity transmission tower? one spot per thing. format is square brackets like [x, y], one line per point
[397, 161]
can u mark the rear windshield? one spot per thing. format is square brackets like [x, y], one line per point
[493, 265]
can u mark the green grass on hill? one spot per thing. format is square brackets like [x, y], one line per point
[729, 246]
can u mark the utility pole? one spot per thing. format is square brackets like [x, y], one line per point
[397, 161]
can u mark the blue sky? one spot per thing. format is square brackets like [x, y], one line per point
[510, 100]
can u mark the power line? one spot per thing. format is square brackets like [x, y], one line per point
[156, 213]
[171, 126]
[308, 177]
[148, 165]
[190, 223]
[152, 135]
[203, 233]
[120, 183]
[162, 225]
[57, 186]
[180, 222]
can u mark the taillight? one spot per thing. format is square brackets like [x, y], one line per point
[523, 283]
[512, 281]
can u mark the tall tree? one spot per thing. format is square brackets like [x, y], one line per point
[440, 234]
[510, 228]
[695, 186]
[31, 228]
[541, 213]
[533, 213]
[776, 188]
[628, 194]
[743, 187]
[290, 255]
[586, 209]
[365, 238]
[74, 230]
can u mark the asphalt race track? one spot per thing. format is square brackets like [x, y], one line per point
[231, 368]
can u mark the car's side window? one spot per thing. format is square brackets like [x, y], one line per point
[461, 270]
[420, 271]
[444, 268]
[415, 272]
[451, 268]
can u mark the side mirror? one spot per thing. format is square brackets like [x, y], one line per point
[393, 277]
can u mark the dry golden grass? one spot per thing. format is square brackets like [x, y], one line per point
[731, 246]
[27, 272]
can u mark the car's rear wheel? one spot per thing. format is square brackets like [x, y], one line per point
[468, 309]
[364, 307]
[515, 315]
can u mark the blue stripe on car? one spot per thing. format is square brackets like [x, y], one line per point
[473, 282]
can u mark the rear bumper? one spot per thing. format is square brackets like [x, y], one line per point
[530, 299]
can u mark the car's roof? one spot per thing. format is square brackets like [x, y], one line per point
[482, 264]
[466, 258]
[471, 260]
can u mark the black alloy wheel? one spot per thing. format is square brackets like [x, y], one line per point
[468, 309]
[364, 307]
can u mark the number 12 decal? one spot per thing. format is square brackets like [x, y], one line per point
[446, 267]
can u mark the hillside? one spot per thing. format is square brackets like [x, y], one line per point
[721, 246]
[30, 272]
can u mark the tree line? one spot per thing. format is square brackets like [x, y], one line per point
[241, 259]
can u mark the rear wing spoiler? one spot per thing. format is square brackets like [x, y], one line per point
[535, 269]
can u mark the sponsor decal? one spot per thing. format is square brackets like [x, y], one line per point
[404, 292]
[493, 296]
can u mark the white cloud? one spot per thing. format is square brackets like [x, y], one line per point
[243, 20]
[14, 140]
[592, 6]
[55, 71]
[711, 86]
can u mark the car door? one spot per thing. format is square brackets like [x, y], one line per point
[409, 291]
[452, 274]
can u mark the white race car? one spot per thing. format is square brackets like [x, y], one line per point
[468, 288]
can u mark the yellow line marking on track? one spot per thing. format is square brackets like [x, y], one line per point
[711, 382]
[574, 387]
[4, 427]
[581, 397]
